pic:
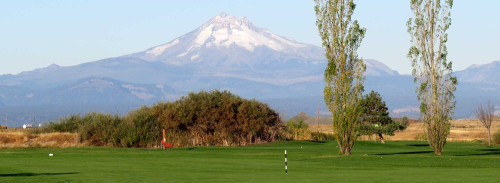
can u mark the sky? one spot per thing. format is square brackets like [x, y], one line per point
[38, 33]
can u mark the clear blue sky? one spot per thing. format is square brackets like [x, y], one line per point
[35, 34]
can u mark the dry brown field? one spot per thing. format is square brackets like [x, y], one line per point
[461, 130]
[21, 138]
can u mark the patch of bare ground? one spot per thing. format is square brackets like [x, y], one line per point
[21, 139]
[461, 130]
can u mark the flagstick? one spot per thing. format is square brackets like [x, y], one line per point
[286, 168]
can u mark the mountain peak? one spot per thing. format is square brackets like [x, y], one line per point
[222, 14]
[482, 66]
[53, 66]
[226, 20]
[483, 73]
[227, 34]
[376, 68]
[225, 30]
[50, 68]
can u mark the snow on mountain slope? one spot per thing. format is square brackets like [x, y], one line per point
[234, 38]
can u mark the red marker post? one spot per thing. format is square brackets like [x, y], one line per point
[164, 140]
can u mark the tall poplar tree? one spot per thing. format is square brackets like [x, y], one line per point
[341, 37]
[431, 69]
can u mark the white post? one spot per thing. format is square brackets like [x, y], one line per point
[286, 168]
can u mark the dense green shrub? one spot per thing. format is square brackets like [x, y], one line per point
[301, 125]
[496, 138]
[68, 124]
[206, 118]
[300, 130]
[94, 128]
[140, 128]
[219, 118]
[100, 129]
[319, 136]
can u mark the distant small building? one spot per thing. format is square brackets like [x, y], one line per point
[28, 126]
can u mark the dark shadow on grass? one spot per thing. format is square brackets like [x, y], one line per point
[412, 152]
[487, 152]
[319, 142]
[418, 145]
[191, 148]
[34, 174]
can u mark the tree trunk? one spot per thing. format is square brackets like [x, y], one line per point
[489, 135]
[344, 149]
[438, 152]
[381, 138]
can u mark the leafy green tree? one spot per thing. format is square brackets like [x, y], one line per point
[375, 118]
[301, 117]
[405, 122]
[431, 69]
[300, 125]
[344, 78]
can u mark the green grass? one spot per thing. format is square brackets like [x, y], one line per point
[307, 162]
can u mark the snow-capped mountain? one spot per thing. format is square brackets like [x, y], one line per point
[226, 53]
[224, 47]
[231, 37]
[228, 46]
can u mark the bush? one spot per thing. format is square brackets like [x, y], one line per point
[204, 118]
[100, 129]
[300, 131]
[140, 128]
[94, 128]
[496, 138]
[319, 136]
[421, 137]
[404, 122]
[68, 124]
[219, 118]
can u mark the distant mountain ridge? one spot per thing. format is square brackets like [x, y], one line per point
[88, 91]
[485, 73]
[227, 53]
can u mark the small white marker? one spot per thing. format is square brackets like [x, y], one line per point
[286, 167]
[51, 154]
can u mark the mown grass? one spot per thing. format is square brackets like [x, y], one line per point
[307, 162]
